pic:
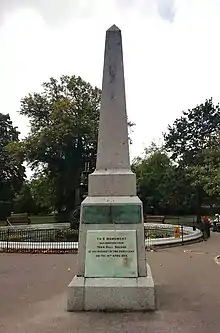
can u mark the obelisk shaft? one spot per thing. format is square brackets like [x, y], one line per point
[113, 147]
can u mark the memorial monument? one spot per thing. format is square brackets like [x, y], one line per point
[112, 270]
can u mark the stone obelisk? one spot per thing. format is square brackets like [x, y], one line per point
[112, 269]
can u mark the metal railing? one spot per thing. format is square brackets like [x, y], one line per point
[159, 232]
[38, 240]
[66, 239]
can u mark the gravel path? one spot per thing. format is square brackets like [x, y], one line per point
[33, 300]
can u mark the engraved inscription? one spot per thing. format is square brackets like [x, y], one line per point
[111, 254]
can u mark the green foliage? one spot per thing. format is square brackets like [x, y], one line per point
[184, 174]
[24, 202]
[64, 126]
[192, 133]
[12, 172]
[164, 187]
[153, 173]
[51, 235]
[43, 192]
[5, 209]
[190, 142]
[207, 173]
[158, 233]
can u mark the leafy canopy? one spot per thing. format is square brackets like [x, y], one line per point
[64, 126]
[12, 173]
[192, 133]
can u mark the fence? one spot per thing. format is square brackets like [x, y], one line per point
[41, 240]
[154, 234]
[65, 240]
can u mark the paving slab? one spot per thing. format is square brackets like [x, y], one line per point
[33, 294]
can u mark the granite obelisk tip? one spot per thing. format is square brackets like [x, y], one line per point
[113, 28]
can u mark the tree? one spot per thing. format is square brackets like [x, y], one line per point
[43, 193]
[12, 172]
[24, 202]
[63, 136]
[189, 137]
[163, 187]
[153, 173]
[184, 192]
[192, 133]
[207, 173]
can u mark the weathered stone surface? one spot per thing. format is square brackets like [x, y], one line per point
[112, 206]
[111, 183]
[113, 152]
[75, 294]
[112, 213]
[113, 175]
[111, 253]
[115, 294]
[139, 227]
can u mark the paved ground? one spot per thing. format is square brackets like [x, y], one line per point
[32, 294]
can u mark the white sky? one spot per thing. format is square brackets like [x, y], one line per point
[171, 54]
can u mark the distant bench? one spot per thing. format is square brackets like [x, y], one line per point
[154, 218]
[18, 219]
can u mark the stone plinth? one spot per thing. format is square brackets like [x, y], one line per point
[111, 294]
[109, 224]
[112, 183]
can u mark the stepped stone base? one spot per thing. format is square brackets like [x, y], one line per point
[111, 294]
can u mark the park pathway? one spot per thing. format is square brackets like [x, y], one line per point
[32, 294]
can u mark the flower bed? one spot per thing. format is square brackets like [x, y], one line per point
[62, 239]
[40, 251]
[44, 235]
[158, 233]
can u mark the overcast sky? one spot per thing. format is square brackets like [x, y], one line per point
[171, 54]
